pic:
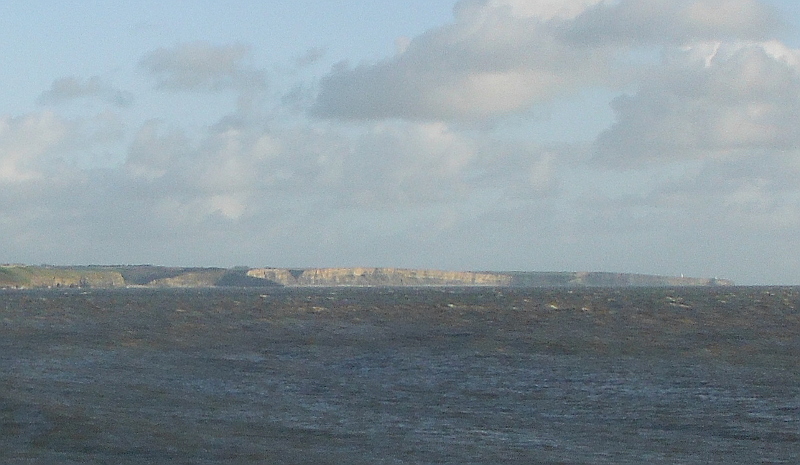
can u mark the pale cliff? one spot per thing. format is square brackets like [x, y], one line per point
[414, 277]
[378, 277]
[21, 276]
[44, 276]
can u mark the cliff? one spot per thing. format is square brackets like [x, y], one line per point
[378, 277]
[20, 276]
[412, 277]
[605, 279]
[203, 278]
[209, 277]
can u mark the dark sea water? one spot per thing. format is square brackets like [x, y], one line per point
[395, 376]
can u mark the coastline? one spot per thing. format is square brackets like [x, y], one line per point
[151, 276]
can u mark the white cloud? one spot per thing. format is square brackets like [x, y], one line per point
[709, 100]
[501, 57]
[29, 145]
[494, 60]
[541, 9]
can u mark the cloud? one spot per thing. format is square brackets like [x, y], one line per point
[518, 171]
[495, 59]
[542, 9]
[71, 88]
[200, 66]
[407, 164]
[708, 100]
[385, 166]
[46, 146]
[756, 193]
[500, 57]
[152, 154]
[310, 57]
[30, 145]
[282, 185]
[637, 22]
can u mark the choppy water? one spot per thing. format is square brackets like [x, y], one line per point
[706, 375]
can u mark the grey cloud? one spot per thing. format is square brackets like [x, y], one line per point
[479, 67]
[729, 100]
[203, 66]
[501, 57]
[312, 56]
[386, 166]
[71, 88]
[232, 171]
[297, 99]
[754, 187]
[519, 170]
[244, 178]
[639, 22]
[154, 152]
[407, 164]
[358, 192]
[239, 170]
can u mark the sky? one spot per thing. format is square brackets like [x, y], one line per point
[640, 136]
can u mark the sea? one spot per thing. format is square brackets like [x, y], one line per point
[694, 375]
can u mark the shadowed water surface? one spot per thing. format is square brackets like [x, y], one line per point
[690, 375]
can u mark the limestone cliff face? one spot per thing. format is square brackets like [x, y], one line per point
[378, 277]
[36, 276]
[90, 279]
[411, 277]
[277, 275]
[22, 276]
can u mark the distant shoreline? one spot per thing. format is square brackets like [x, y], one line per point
[18, 276]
